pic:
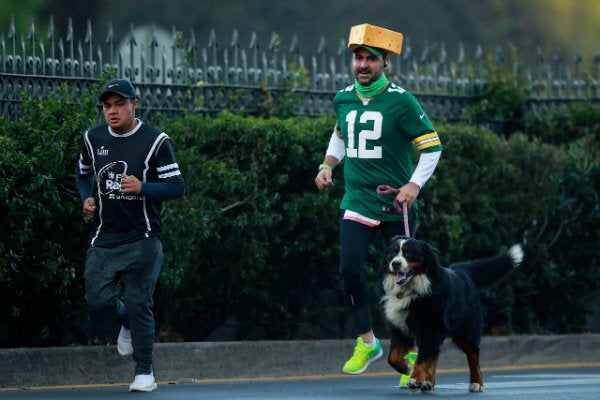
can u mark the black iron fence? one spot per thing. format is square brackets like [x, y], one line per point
[174, 73]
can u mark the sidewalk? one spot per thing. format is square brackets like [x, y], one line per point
[180, 362]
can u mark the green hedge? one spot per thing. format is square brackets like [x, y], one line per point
[42, 230]
[252, 249]
[490, 192]
[253, 240]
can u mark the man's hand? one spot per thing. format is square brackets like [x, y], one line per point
[130, 184]
[408, 193]
[89, 208]
[323, 179]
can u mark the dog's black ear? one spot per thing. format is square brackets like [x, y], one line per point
[398, 237]
[394, 239]
[429, 253]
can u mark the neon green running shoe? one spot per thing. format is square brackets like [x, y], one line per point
[362, 357]
[411, 358]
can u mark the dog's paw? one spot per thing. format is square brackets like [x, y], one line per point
[412, 385]
[475, 387]
[423, 386]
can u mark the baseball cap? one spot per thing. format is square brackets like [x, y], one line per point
[121, 87]
[373, 50]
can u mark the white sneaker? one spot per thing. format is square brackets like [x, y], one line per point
[143, 383]
[124, 346]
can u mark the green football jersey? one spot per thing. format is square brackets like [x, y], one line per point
[379, 135]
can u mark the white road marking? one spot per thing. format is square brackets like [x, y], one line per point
[535, 380]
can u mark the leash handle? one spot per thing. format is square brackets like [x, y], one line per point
[387, 189]
[405, 212]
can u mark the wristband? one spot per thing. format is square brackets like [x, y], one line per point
[326, 166]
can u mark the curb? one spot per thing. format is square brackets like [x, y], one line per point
[180, 362]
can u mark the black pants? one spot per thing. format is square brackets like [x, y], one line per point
[138, 265]
[355, 239]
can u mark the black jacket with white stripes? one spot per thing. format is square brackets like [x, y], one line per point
[145, 152]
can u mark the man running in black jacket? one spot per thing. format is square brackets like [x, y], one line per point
[125, 170]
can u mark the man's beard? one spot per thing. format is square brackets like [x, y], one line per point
[367, 70]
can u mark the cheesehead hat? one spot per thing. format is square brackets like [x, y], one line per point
[375, 38]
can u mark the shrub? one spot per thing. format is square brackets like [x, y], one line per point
[252, 249]
[42, 230]
[252, 238]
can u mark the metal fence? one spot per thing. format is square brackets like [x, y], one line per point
[174, 73]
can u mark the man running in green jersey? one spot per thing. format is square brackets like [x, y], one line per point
[378, 124]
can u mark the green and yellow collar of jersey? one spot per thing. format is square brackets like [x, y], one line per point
[368, 93]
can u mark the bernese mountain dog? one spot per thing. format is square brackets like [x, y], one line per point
[425, 303]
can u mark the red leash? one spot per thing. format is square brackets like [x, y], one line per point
[387, 189]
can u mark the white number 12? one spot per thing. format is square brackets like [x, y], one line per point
[364, 135]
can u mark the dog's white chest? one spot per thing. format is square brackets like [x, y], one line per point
[396, 313]
[395, 305]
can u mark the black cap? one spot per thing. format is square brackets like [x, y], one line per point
[121, 87]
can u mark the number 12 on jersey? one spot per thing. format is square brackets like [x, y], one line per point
[357, 141]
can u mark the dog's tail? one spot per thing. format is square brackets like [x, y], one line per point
[487, 271]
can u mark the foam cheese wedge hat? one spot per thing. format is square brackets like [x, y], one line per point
[375, 36]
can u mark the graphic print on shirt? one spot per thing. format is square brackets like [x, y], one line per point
[109, 177]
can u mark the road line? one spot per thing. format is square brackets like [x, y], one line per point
[306, 377]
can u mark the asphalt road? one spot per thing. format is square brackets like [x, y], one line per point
[186, 362]
[515, 383]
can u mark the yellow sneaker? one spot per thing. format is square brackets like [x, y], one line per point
[362, 357]
[411, 358]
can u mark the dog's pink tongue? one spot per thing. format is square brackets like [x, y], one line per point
[400, 278]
